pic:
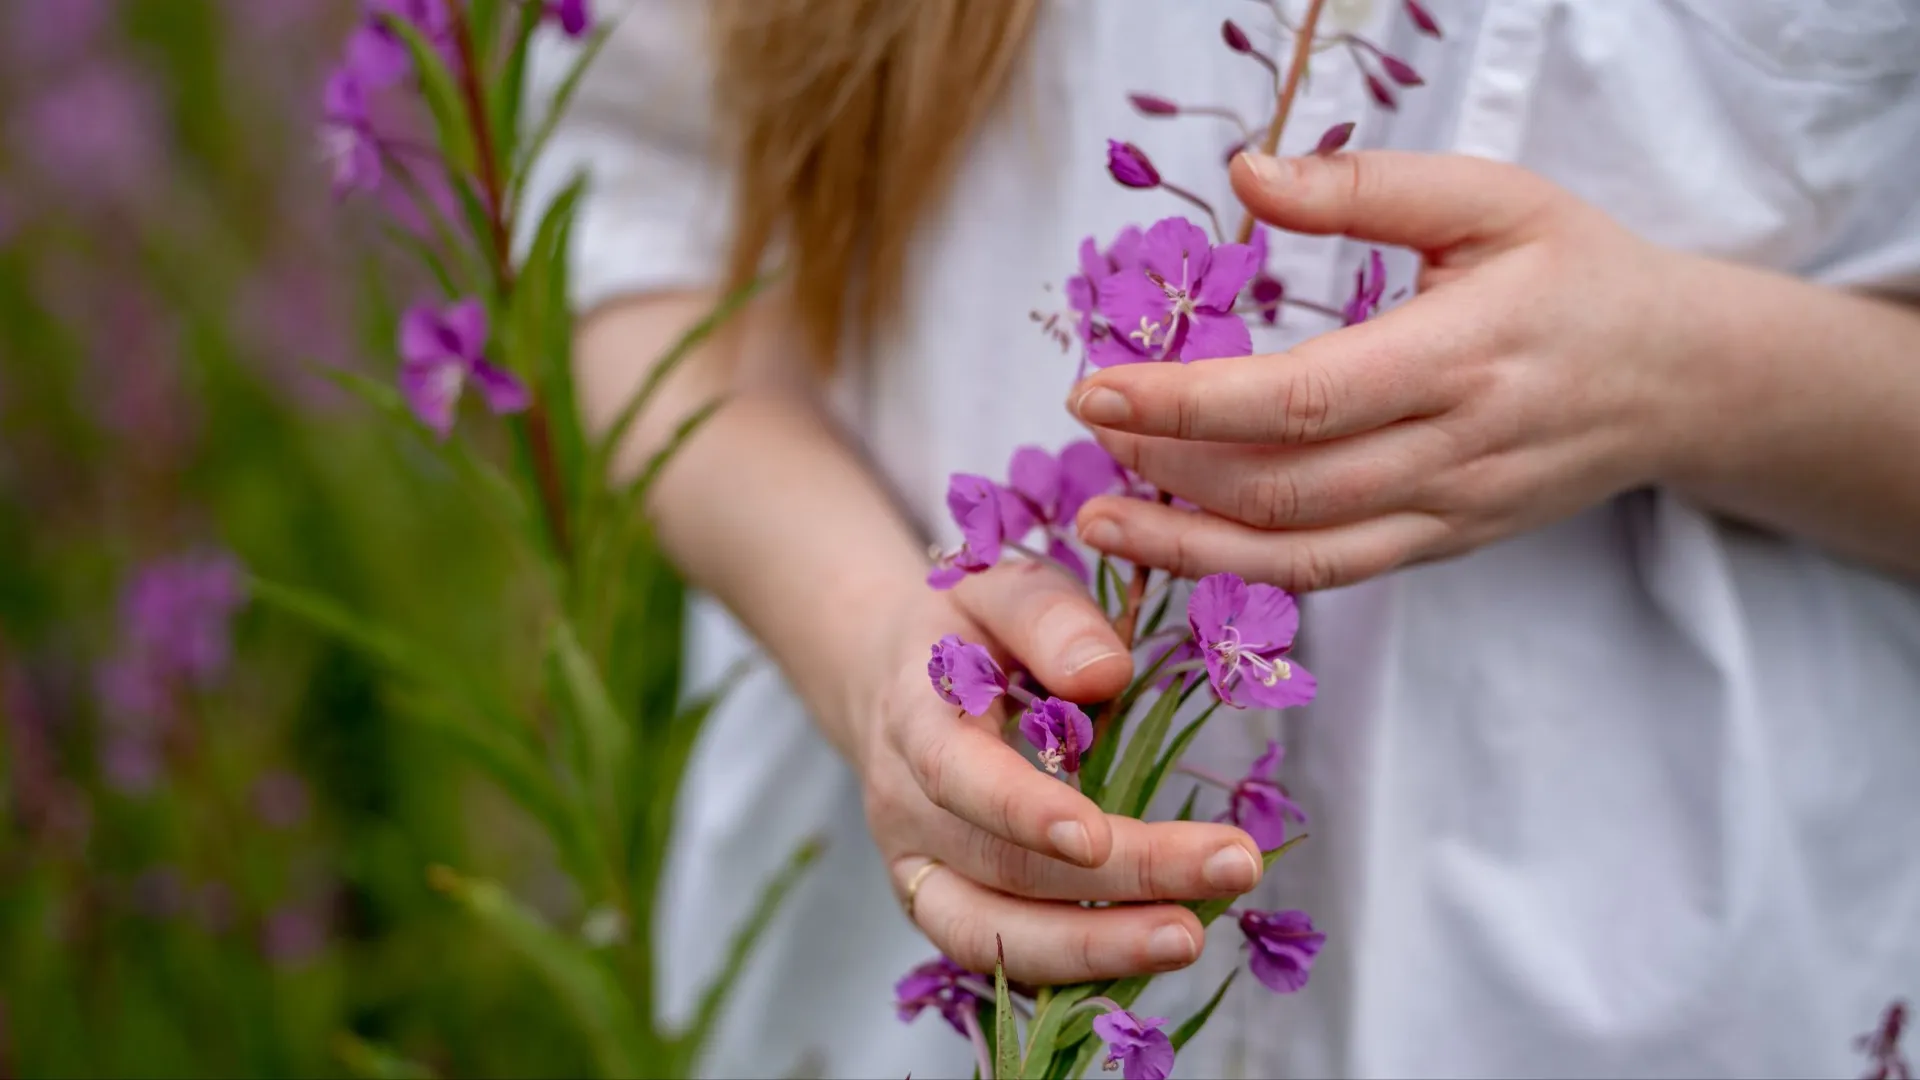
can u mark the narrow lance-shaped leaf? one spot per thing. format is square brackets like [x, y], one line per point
[603, 732]
[694, 1039]
[1186, 1031]
[450, 124]
[604, 1012]
[1043, 1035]
[1124, 785]
[536, 143]
[1006, 1036]
[1167, 761]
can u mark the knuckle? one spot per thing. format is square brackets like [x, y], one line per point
[963, 938]
[1146, 875]
[1002, 809]
[1186, 416]
[932, 767]
[1011, 867]
[1308, 568]
[1271, 498]
[1306, 408]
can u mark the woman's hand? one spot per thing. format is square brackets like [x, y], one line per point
[1016, 846]
[1539, 371]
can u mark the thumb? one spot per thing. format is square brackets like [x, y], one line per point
[1046, 620]
[1427, 202]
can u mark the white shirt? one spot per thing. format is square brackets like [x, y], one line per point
[1634, 794]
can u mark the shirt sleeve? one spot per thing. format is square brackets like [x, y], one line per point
[639, 125]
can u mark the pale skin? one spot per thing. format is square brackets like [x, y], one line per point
[1550, 361]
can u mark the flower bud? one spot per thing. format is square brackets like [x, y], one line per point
[1235, 37]
[1400, 71]
[1149, 105]
[1422, 19]
[1335, 138]
[1382, 94]
[1130, 166]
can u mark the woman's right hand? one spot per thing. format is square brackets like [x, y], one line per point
[1016, 847]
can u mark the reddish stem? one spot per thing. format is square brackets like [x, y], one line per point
[1296, 69]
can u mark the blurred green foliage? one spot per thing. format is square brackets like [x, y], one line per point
[172, 273]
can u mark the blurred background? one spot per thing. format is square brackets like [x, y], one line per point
[216, 825]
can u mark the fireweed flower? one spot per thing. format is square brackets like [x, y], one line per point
[177, 616]
[1260, 805]
[347, 139]
[378, 56]
[572, 15]
[988, 516]
[1096, 266]
[1137, 1047]
[1060, 731]
[1281, 946]
[965, 675]
[440, 351]
[1178, 304]
[1243, 632]
[1369, 287]
[1054, 489]
[939, 984]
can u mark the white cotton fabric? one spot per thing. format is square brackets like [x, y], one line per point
[1632, 795]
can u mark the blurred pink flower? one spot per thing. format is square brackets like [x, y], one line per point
[94, 135]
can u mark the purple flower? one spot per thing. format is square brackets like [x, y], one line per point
[1138, 1047]
[440, 351]
[988, 516]
[1423, 20]
[95, 133]
[1153, 105]
[938, 983]
[1369, 287]
[347, 139]
[1260, 805]
[1060, 731]
[1096, 266]
[1336, 137]
[376, 53]
[1055, 488]
[130, 763]
[293, 936]
[1243, 632]
[1382, 93]
[1178, 304]
[1130, 165]
[572, 15]
[1266, 290]
[965, 675]
[1281, 946]
[177, 614]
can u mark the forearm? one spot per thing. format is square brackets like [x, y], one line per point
[1808, 421]
[764, 507]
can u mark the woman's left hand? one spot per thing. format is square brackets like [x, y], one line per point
[1542, 368]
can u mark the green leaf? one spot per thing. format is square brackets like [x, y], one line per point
[1109, 722]
[1167, 760]
[694, 1039]
[1006, 1037]
[604, 1012]
[676, 354]
[536, 143]
[479, 222]
[428, 257]
[1209, 910]
[1102, 593]
[450, 121]
[1185, 1032]
[506, 93]
[1123, 788]
[372, 1061]
[538, 336]
[1043, 1034]
[605, 736]
[1186, 808]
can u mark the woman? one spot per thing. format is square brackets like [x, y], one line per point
[1609, 533]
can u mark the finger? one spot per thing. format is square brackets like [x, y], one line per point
[1169, 860]
[1194, 544]
[1352, 380]
[1328, 484]
[967, 771]
[1428, 202]
[1047, 942]
[1048, 622]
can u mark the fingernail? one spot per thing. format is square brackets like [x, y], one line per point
[1231, 868]
[1101, 533]
[1267, 169]
[1084, 654]
[1171, 946]
[1070, 839]
[1099, 405]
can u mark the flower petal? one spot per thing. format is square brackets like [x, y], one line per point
[1211, 336]
[1035, 474]
[432, 390]
[1130, 300]
[1268, 618]
[1231, 267]
[1177, 250]
[1108, 351]
[502, 389]
[420, 335]
[1216, 599]
[1298, 688]
[466, 320]
[1086, 470]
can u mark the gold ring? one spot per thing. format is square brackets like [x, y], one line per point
[913, 884]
